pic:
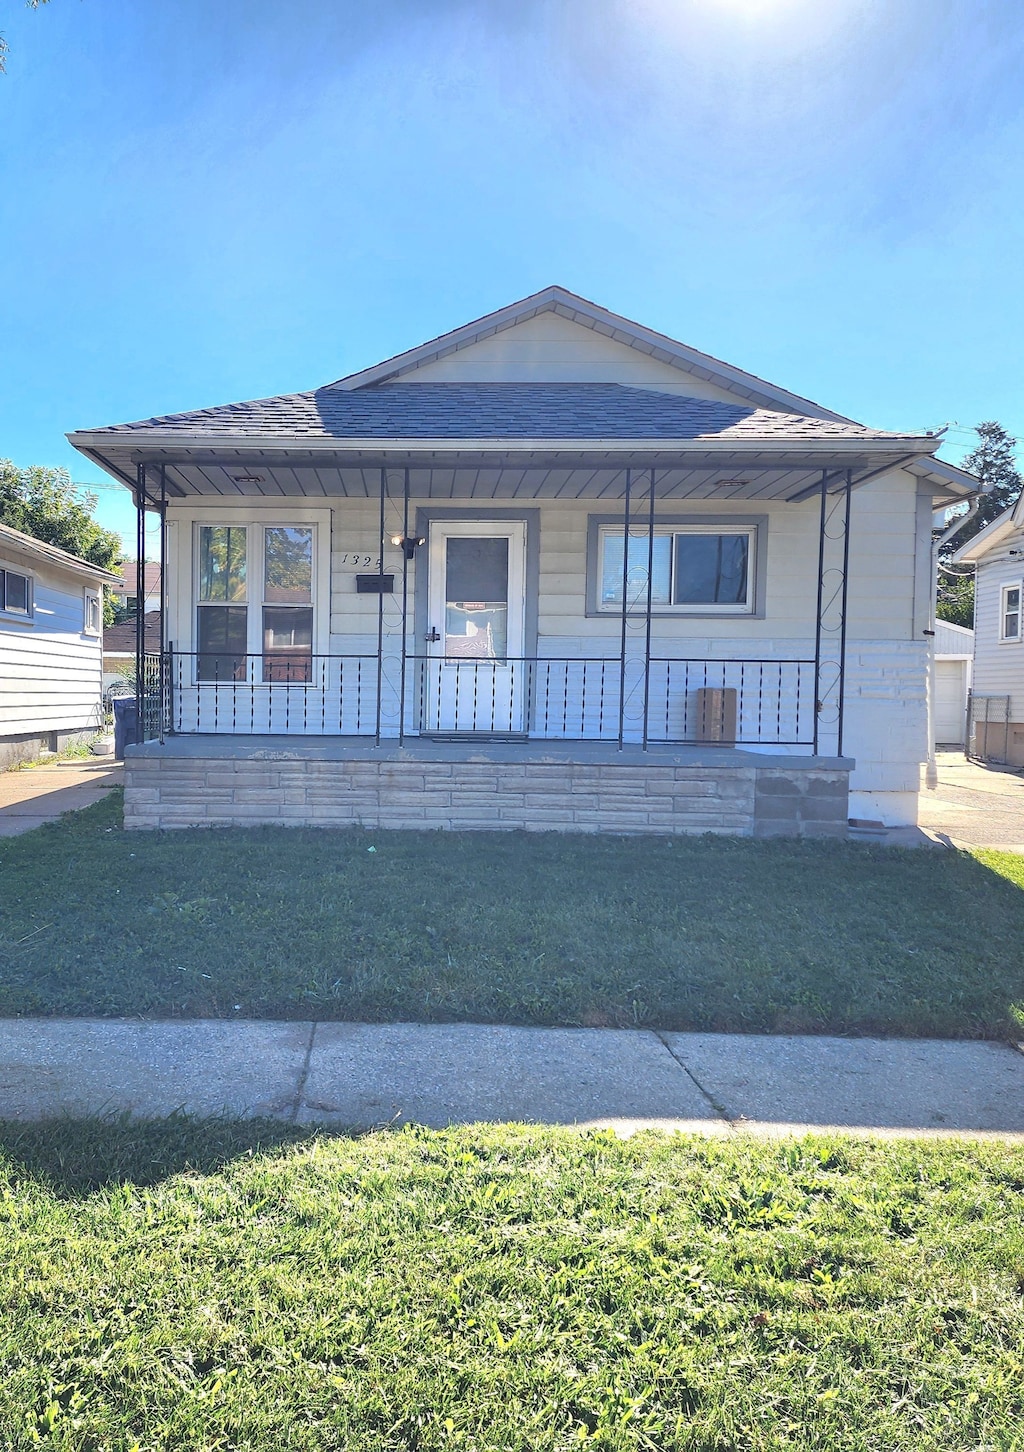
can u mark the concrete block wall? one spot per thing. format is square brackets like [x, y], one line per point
[566, 796]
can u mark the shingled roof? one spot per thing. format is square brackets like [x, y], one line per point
[497, 411]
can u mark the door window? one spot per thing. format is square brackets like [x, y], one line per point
[476, 599]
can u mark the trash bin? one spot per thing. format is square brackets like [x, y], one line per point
[126, 726]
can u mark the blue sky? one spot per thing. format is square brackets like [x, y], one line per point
[203, 202]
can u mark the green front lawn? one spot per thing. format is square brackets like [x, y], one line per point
[698, 933]
[222, 1285]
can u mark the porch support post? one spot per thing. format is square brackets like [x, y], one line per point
[842, 631]
[625, 580]
[380, 607]
[830, 626]
[823, 488]
[405, 606]
[163, 675]
[140, 595]
[650, 599]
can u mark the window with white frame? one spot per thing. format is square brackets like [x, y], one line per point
[1009, 612]
[692, 567]
[92, 612]
[15, 593]
[254, 602]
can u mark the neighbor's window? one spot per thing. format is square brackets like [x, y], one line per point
[15, 593]
[1009, 622]
[92, 623]
[695, 568]
[222, 611]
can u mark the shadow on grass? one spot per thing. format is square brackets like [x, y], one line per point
[72, 1158]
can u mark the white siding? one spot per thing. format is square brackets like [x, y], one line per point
[50, 670]
[954, 640]
[998, 664]
[552, 349]
[887, 657]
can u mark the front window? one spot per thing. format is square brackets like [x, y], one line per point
[271, 620]
[222, 623]
[696, 568]
[15, 593]
[287, 603]
[1009, 627]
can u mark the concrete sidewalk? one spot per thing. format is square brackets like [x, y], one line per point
[35, 795]
[361, 1075]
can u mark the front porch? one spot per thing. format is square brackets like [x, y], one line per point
[338, 781]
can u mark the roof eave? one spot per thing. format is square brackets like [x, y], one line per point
[950, 485]
[137, 440]
[38, 549]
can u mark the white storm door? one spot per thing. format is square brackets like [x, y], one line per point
[475, 626]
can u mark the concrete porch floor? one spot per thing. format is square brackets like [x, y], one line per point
[474, 749]
[364, 1075]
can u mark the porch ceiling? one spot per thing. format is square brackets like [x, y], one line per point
[746, 474]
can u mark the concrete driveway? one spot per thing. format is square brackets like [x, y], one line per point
[975, 805]
[37, 794]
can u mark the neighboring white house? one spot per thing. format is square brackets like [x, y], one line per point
[51, 639]
[413, 586]
[997, 689]
[954, 653]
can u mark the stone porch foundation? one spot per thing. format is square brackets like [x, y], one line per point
[197, 781]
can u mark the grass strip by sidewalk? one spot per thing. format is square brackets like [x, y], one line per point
[209, 1285]
[693, 933]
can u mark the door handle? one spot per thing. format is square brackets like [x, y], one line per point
[433, 635]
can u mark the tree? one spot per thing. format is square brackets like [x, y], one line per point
[955, 599]
[31, 5]
[45, 504]
[992, 460]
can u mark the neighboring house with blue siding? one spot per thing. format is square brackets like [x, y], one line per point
[51, 642]
[997, 689]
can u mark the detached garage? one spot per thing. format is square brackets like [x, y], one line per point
[954, 655]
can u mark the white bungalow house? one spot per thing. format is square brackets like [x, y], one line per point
[997, 686]
[552, 569]
[51, 638]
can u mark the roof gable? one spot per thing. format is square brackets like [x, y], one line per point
[557, 336]
[998, 531]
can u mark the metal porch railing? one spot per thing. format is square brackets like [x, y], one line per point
[673, 700]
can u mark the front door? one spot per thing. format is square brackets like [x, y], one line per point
[475, 627]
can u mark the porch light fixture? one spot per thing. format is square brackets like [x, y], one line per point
[407, 543]
[247, 479]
